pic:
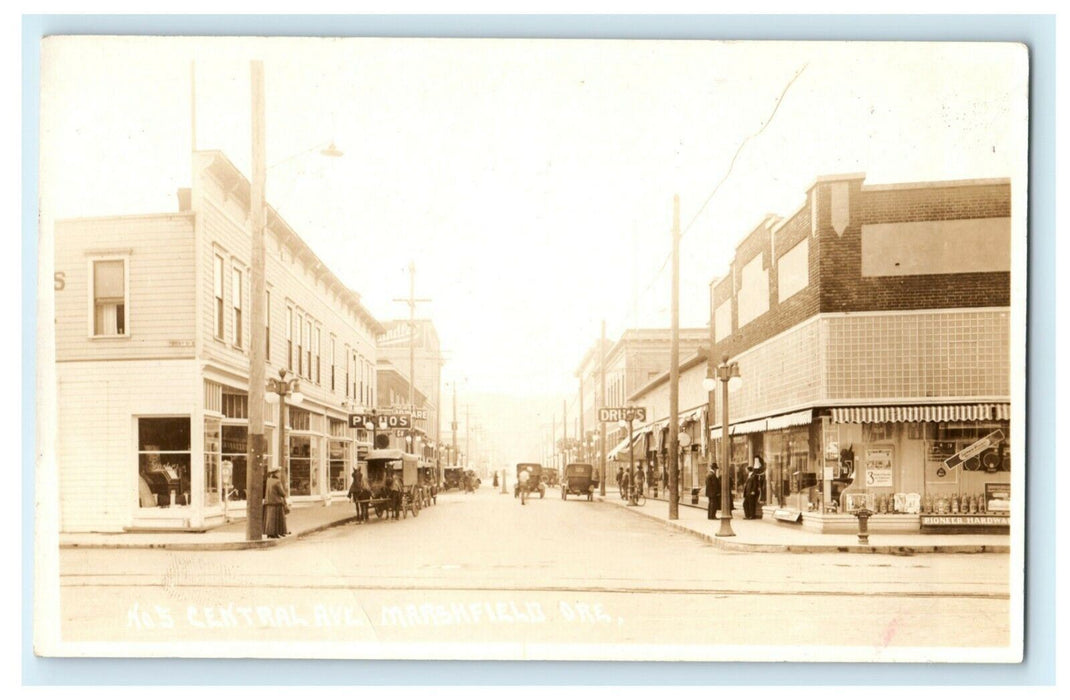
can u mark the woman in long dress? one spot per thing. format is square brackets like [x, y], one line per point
[275, 507]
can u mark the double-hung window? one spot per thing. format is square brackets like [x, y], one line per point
[290, 338]
[217, 287]
[236, 300]
[109, 297]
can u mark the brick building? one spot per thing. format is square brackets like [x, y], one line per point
[872, 331]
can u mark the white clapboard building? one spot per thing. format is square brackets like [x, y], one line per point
[152, 337]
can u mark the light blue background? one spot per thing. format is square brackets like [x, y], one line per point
[1036, 31]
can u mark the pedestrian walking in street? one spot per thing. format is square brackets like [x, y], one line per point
[639, 481]
[522, 486]
[620, 480]
[624, 481]
[275, 507]
[394, 490]
[713, 492]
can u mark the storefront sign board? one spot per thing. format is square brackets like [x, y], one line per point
[966, 520]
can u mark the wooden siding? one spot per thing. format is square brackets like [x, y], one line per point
[159, 251]
[291, 281]
[97, 440]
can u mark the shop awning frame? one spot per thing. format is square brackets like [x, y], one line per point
[956, 413]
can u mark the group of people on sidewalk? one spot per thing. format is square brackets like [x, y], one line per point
[753, 488]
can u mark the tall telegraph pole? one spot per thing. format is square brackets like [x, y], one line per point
[674, 370]
[257, 444]
[412, 301]
[601, 425]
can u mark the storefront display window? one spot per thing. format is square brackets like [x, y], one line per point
[787, 457]
[163, 462]
[303, 459]
[338, 458]
[983, 466]
[211, 461]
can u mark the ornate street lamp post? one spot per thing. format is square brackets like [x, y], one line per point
[277, 392]
[727, 372]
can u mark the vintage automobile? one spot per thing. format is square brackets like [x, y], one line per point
[535, 482]
[471, 481]
[550, 477]
[452, 478]
[579, 480]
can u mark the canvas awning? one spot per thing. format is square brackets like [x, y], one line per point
[922, 414]
[789, 420]
[751, 426]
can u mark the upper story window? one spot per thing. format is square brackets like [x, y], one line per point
[289, 338]
[236, 300]
[299, 320]
[267, 325]
[316, 352]
[331, 357]
[218, 291]
[347, 372]
[306, 342]
[110, 295]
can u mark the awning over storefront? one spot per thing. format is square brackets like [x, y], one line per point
[690, 416]
[622, 446]
[751, 426]
[789, 420]
[921, 414]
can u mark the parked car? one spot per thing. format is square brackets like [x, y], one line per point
[580, 480]
[535, 482]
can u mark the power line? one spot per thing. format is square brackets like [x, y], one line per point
[731, 166]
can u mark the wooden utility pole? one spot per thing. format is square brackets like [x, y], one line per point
[453, 442]
[257, 442]
[467, 459]
[564, 431]
[553, 441]
[674, 370]
[583, 433]
[602, 399]
[412, 301]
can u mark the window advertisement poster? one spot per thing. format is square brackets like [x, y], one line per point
[998, 498]
[879, 467]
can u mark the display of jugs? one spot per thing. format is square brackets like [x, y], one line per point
[980, 503]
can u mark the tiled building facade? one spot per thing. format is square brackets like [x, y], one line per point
[872, 329]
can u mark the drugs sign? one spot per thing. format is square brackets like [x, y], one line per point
[628, 413]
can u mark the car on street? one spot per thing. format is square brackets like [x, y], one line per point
[580, 480]
[535, 482]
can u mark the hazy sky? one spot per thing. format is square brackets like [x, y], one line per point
[531, 181]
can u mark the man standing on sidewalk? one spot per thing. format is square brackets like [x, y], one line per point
[713, 492]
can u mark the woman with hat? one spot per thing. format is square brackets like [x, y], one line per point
[275, 508]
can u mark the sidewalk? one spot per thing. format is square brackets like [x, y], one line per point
[302, 520]
[768, 535]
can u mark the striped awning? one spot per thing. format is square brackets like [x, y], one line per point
[922, 414]
[789, 420]
[751, 426]
[690, 416]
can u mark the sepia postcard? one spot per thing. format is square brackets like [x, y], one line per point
[531, 349]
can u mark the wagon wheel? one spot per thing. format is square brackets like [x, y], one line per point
[414, 504]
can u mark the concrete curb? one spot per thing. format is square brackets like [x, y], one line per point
[737, 546]
[211, 546]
